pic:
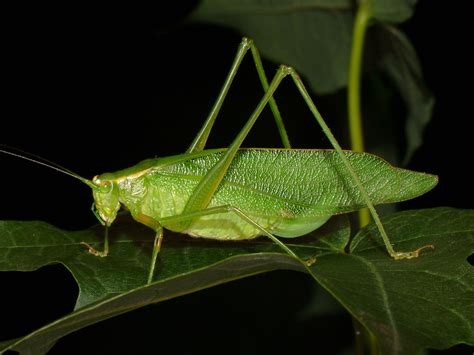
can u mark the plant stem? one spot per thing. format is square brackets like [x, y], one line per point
[359, 338]
[361, 22]
[365, 341]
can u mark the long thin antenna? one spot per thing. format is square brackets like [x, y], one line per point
[52, 166]
[39, 158]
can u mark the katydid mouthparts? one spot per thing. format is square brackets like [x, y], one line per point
[237, 194]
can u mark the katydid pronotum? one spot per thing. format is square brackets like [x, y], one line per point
[237, 194]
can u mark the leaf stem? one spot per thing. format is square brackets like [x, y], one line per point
[361, 22]
[365, 341]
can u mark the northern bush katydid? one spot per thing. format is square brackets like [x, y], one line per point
[236, 194]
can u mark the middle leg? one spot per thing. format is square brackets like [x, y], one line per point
[200, 140]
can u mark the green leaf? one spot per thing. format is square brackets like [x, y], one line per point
[397, 57]
[409, 304]
[116, 284]
[406, 303]
[393, 11]
[312, 36]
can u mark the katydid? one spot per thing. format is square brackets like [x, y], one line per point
[238, 194]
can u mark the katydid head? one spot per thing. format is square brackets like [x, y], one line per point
[106, 198]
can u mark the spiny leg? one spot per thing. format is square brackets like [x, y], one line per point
[156, 250]
[394, 254]
[273, 106]
[96, 252]
[157, 227]
[200, 140]
[90, 248]
[203, 193]
[206, 188]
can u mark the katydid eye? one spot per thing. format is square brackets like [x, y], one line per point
[105, 186]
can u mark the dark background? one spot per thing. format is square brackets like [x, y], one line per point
[99, 89]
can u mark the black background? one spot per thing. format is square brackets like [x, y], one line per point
[100, 89]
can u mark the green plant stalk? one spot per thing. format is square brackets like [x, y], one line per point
[365, 341]
[361, 22]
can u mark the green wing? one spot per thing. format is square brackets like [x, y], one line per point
[315, 179]
[302, 188]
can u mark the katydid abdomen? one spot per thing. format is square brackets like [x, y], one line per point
[288, 192]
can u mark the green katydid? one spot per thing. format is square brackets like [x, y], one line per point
[237, 194]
